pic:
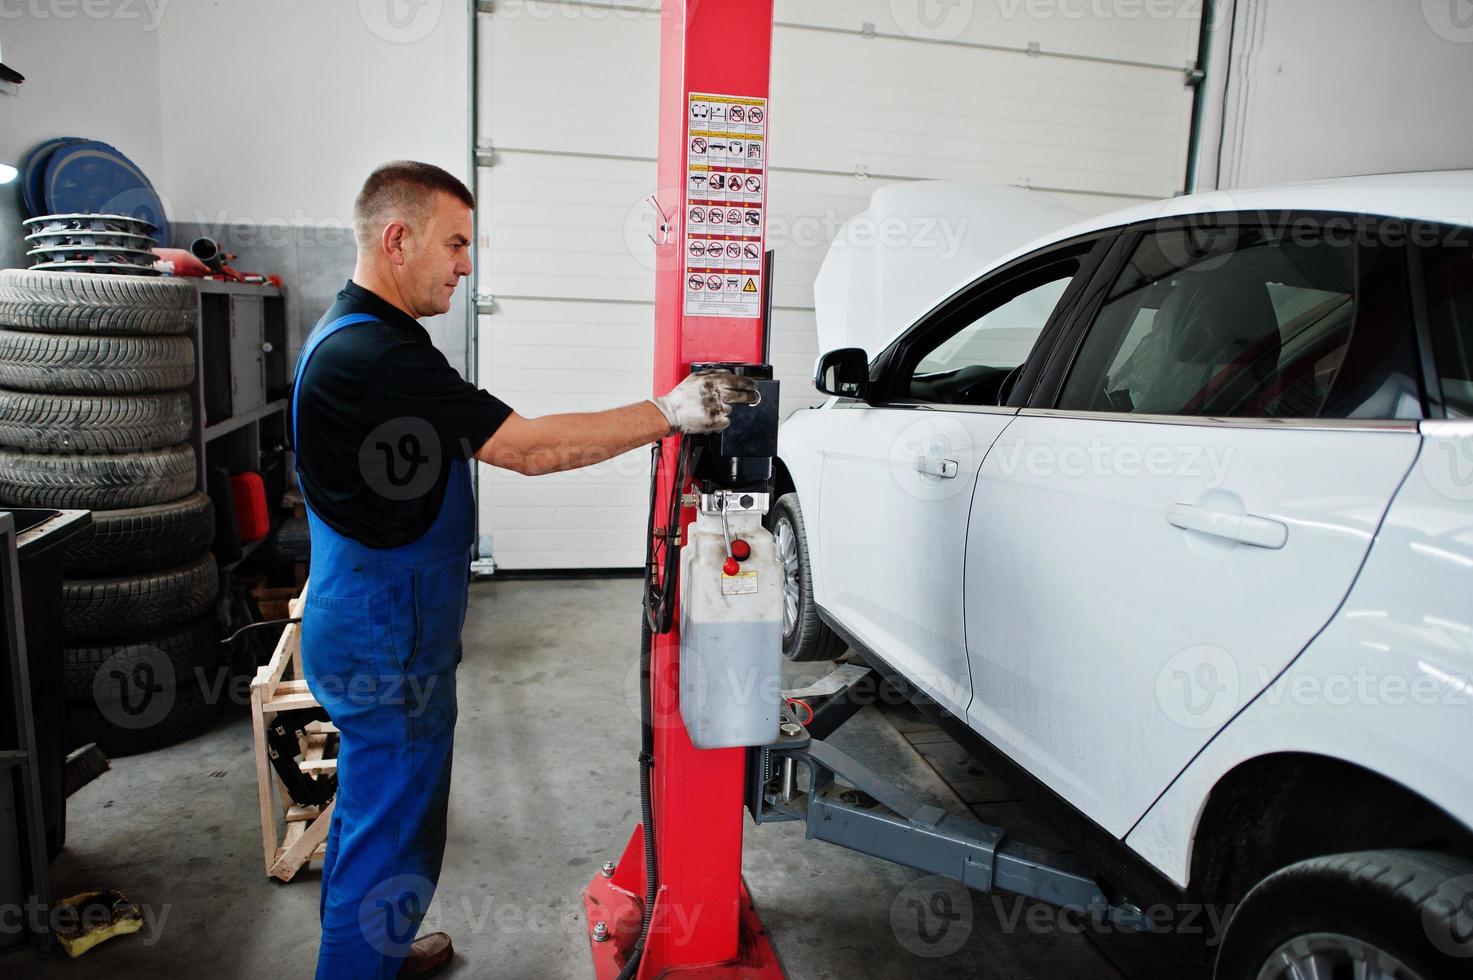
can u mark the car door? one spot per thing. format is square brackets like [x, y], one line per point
[898, 472]
[1153, 544]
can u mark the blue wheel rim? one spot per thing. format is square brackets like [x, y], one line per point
[33, 173]
[92, 177]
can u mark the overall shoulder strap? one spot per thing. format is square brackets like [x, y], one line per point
[318, 335]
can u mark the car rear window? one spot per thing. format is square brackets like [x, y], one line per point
[1449, 271]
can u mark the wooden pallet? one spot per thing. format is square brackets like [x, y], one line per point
[291, 835]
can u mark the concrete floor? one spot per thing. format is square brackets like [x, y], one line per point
[544, 791]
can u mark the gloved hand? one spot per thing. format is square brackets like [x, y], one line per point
[702, 402]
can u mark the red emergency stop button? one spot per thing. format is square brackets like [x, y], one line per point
[740, 550]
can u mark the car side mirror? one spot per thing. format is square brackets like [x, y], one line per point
[843, 372]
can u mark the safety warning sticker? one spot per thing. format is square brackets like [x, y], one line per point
[742, 583]
[725, 205]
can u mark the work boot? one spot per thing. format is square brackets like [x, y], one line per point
[428, 956]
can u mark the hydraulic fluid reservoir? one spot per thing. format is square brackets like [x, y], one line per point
[731, 620]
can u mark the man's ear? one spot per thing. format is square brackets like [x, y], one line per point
[393, 241]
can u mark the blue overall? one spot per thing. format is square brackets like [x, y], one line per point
[380, 644]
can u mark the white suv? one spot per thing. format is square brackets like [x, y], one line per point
[1169, 517]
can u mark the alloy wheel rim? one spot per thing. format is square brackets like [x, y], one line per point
[787, 553]
[1329, 956]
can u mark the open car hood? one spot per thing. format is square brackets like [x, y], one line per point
[915, 245]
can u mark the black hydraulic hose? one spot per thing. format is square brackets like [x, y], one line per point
[646, 803]
[650, 610]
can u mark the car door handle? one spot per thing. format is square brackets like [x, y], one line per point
[936, 466]
[1260, 532]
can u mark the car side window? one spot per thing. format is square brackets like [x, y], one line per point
[976, 356]
[1449, 283]
[1229, 321]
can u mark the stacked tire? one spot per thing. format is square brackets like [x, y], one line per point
[95, 414]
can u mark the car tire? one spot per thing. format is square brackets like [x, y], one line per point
[139, 539]
[178, 654]
[1411, 911]
[97, 482]
[62, 364]
[84, 302]
[129, 604]
[152, 691]
[191, 714]
[806, 638]
[93, 423]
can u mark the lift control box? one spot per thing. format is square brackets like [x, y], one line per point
[731, 581]
[740, 456]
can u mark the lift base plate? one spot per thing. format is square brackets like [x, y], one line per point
[611, 901]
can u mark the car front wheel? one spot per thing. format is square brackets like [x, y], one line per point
[805, 637]
[1372, 915]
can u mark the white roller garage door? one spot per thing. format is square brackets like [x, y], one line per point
[1062, 95]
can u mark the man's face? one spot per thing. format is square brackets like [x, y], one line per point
[436, 257]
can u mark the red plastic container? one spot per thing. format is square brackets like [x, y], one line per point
[250, 506]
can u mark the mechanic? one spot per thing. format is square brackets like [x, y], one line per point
[385, 431]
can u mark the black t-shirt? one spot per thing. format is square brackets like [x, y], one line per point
[380, 416]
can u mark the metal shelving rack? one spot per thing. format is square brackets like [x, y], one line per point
[241, 386]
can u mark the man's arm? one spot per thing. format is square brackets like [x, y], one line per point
[553, 443]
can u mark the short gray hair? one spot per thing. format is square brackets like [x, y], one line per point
[404, 189]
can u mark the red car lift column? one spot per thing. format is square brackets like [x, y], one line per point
[714, 75]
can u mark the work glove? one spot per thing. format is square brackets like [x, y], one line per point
[702, 402]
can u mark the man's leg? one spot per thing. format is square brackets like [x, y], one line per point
[391, 803]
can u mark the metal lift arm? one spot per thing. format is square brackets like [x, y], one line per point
[844, 802]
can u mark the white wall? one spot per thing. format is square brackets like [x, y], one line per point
[1304, 89]
[274, 111]
[73, 65]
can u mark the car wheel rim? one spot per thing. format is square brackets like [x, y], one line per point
[1327, 955]
[787, 553]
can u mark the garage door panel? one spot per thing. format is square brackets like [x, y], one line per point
[977, 115]
[568, 78]
[550, 356]
[563, 227]
[1153, 31]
